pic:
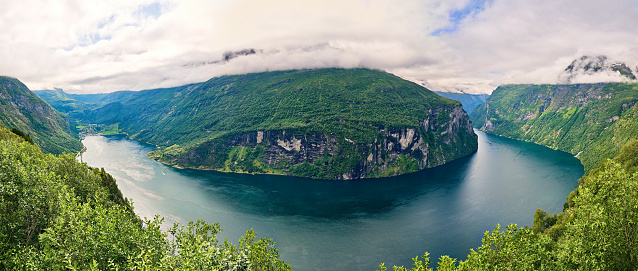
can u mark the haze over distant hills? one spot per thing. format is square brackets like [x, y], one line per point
[469, 101]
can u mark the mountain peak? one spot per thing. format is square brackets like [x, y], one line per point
[593, 69]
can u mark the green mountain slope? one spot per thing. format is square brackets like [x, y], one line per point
[73, 103]
[327, 123]
[60, 100]
[20, 108]
[591, 121]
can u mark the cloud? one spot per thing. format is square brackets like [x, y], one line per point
[472, 45]
[532, 42]
[457, 16]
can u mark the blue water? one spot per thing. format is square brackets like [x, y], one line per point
[353, 225]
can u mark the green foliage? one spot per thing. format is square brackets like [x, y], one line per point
[419, 265]
[59, 214]
[514, 249]
[603, 233]
[592, 121]
[628, 156]
[543, 220]
[21, 134]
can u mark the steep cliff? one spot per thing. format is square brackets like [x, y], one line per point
[20, 108]
[591, 121]
[326, 123]
[394, 151]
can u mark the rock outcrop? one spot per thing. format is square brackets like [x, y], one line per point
[442, 137]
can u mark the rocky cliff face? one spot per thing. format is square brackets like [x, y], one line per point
[591, 121]
[446, 134]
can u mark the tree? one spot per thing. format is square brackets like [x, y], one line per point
[514, 249]
[603, 233]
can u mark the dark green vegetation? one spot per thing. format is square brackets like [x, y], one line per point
[58, 214]
[591, 121]
[597, 231]
[327, 123]
[469, 101]
[23, 110]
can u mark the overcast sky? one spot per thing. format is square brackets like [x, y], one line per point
[471, 45]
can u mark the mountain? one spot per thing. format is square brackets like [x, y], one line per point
[591, 121]
[591, 69]
[71, 103]
[469, 101]
[60, 100]
[326, 123]
[22, 109]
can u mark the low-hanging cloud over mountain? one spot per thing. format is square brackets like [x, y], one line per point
[468, 45]
[591, 69]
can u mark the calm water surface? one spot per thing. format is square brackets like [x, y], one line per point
[352, 225]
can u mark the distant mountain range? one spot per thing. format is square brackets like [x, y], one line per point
[469, 101]
[70, 103]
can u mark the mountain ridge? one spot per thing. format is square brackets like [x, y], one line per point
[22, 109]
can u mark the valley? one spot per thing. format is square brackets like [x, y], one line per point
[363, 124]
[347, 135]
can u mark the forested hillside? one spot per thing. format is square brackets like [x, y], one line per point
[21, 109]
[326, 123]
[590, 121]
[59, 214]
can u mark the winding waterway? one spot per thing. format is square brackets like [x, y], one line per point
[352, 225]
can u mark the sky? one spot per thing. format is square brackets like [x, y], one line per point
[472, 46]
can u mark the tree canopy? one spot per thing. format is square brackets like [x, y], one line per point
[59, 214]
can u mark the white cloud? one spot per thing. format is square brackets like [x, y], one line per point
[533, 41]
[101, 46]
